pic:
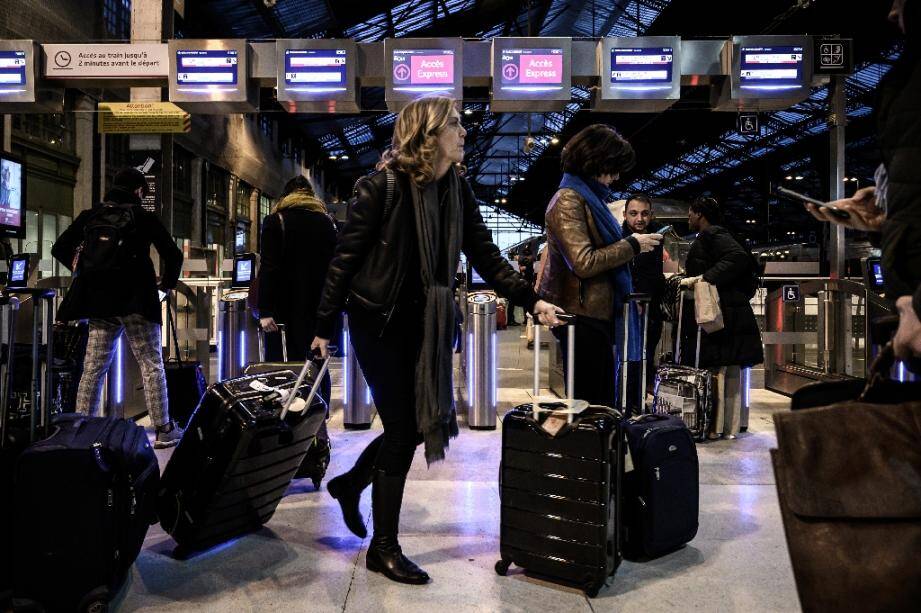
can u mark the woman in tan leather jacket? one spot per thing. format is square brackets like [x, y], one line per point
[587, 267]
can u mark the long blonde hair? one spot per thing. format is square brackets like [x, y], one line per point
[415, 138]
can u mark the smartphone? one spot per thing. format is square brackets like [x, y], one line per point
[789, 193]
[662, 231]
[161, 294]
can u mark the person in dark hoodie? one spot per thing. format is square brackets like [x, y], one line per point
[115, 288]
[648, 278]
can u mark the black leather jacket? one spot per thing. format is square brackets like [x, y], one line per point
[369, 265]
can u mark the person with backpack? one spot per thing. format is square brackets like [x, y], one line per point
[115, 288]
[718, 258]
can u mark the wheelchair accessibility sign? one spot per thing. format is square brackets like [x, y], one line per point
[791, 293]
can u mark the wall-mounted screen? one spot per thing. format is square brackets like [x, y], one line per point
[532, 70]
[774, 68]
[423, 70]
[12, 71]
[12, 197]
[642, 69]
[211, 68]
[244, 269]
[315, 71]
[19, 271]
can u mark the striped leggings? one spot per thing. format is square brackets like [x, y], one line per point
[144, 338]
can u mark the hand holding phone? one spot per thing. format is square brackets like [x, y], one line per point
[662, 231]
[789, 193]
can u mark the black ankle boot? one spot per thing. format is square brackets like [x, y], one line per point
[347, 487]
[385, 555]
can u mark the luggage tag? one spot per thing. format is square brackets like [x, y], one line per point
[297, 405]
[561, 413]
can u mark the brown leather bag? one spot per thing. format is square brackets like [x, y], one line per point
[849, 484]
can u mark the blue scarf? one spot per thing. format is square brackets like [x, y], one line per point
[595, 194]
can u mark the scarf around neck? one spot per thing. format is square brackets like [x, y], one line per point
[594, 193]
[301, 200]
[439, 227]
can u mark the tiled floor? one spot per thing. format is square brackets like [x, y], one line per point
[306, 560]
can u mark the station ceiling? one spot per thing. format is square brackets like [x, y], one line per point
[681, 152]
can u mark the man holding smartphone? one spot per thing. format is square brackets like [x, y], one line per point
[648, 278]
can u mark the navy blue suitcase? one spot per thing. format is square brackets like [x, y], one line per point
[662, 490]
[84, 499]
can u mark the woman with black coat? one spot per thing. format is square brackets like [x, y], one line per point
[719, 259]
[393, 272]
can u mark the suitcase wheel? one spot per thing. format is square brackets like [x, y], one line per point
[592, 589]
[316, 483]
[502, 567]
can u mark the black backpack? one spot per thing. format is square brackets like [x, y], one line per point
[105, 238]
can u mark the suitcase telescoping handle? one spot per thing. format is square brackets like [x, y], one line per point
[260, 337]
[300, 379]
[569, 321]
[643, 302]
[681, 294]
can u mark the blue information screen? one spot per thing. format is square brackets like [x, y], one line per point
[12, 71]
[315, 70]
[642, 68]
[18, 273]
[206, 67]
[771, 68]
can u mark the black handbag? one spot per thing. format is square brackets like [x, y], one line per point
[185, 380]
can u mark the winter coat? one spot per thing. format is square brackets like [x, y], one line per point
[293, 264]
[723, 262]
[647, 270]
[132, 287]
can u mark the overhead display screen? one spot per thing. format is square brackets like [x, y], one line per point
[209, 68]
[319, 71]
[11, 197]
[423, 70]
[641, 69]
[12, 71]
[771, 68]
[531, 70]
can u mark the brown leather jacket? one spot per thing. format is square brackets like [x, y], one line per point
[575, 274]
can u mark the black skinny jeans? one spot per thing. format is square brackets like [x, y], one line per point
[388, 363]
[595, 362]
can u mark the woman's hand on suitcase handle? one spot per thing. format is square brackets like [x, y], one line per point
[321, 346]
[546, 313]
[268, 324]
[690, 281]
[907, 341]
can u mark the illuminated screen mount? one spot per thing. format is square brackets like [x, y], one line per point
[12, 71]
[531, 70]
[774, 68]
[206, 69]
[423, 71]
[642, 68]
[315, 71]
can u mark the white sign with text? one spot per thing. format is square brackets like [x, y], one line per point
[106, 61]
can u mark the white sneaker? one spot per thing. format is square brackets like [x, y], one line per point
[168, 435]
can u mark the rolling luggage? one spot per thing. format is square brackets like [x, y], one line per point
[318, 455]
[661, 481]
[685, 391]
[84, 499]
[560, 481]
[238, 456]
[185, 381]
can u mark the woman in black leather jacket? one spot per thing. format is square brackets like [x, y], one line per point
[393, 272]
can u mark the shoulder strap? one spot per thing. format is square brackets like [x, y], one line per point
[391, 187]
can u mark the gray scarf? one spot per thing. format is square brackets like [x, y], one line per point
[438, 228]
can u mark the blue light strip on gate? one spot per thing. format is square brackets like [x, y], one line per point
[119, 372]
[242, 348]
[746, 386]
[345, 366]
[220, 355]
[901, 372]
[469, 349]
[493, 370]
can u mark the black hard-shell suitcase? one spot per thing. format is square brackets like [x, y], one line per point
[237, 458]
[661, 491]
[560, 511]
[84, 499]
[316, 461]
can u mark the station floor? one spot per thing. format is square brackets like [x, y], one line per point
[305, 559]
